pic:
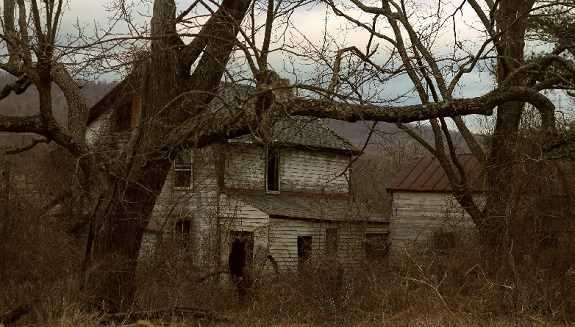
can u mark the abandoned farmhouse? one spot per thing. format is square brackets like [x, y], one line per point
[289, 200]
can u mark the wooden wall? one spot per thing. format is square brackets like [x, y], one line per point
[351, 236]
[313, 171]
[300, 170]
[415, 215]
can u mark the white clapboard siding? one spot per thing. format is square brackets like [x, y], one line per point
[313, 171]
[232, 215]
[417, 214]
[245, 167]
[351, 242]
[283, 240]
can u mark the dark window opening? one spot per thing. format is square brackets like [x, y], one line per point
[272, 170]
[183, 230]
[246, 239]
[376, 246]
[123, 119]
[331, 241]
[128, 117]
[183, 169]
[443, 240]
[303, 250]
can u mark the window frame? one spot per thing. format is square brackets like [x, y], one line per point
[275, 150]
[183, 168]
[371, 254]
[183, 231]
[304, 250]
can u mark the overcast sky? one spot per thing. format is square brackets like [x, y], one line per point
[308, 29]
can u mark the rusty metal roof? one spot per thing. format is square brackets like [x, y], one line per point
[427, 175]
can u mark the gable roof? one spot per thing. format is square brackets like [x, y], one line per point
[427, 175]
[305, 132]
[291, 131]
[306, 206]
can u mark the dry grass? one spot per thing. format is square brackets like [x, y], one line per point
[416, 287]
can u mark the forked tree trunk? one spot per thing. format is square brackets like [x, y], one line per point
[124, 215]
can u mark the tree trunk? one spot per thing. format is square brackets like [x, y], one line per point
[511, 21]
[166, 102]
[117, 245]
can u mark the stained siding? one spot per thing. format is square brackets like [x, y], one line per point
[351, 236]
[283, 240]
[300, 170]
[313, 171]
[417, 214]
[245, 167]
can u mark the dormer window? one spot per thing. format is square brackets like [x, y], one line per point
[272, 170]
[183, 170]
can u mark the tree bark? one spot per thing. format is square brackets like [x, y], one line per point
[131, 189]
[511, 18]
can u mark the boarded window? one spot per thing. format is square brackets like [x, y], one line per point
[272, 170]
[331, 241]
[376, 246]
[247, 240]
[183, 169]
[303, 250]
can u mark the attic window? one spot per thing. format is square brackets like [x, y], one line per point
[128, 117]
[272, 170]
[183, 169]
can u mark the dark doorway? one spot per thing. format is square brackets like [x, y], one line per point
[246, 239]
[303, 250]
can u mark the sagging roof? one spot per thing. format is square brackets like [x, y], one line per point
[306, 206]
[305, 132]
[427, 175]
[292, 131]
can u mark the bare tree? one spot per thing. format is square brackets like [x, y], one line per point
[435, 77]
[174, 82]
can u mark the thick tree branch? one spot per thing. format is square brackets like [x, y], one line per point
[27, 147]
[18, 87]
[209, 127]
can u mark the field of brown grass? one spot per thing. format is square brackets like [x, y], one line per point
[416, 287]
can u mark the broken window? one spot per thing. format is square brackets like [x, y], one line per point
[183, 169]
[183, 230]
[331, 241]
[303, 250]
[376, 246]
[272, 170]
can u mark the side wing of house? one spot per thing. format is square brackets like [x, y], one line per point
[416, 216]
